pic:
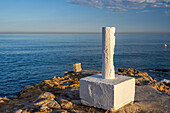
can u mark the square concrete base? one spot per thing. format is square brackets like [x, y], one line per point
[108, 94]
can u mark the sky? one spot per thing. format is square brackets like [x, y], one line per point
[84, 15]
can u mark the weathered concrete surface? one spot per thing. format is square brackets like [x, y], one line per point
[108, 44]
[108, 94]
[61, 95]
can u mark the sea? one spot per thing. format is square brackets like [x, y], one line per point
[27, 59]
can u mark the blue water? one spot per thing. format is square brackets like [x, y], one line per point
[30, 58]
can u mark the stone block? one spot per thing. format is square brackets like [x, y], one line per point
[108, 94]
[77, 67]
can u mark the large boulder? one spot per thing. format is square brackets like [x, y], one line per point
[65, 104]
[29, 91]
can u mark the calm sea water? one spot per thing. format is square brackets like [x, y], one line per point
[30, 58]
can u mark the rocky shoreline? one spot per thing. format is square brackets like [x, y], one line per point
[61, 95]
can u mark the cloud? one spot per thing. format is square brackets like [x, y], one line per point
[121, 5]
[144, 11]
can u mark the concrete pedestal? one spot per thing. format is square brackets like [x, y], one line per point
[108, 94]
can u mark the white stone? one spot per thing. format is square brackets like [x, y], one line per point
[108, 94]
[108, 44]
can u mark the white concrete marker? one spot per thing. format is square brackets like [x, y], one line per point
[108, 44]
[108, 94]
[107, 90]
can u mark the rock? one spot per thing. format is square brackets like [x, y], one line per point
[66, 72]
[19, 111]
[48, 83]
[47, 95]
[29, 91]
[5, 98]
[161, 70]
[161, 87]
[14, 97]
[124, 73]
[47, 99]
[65, 104]
[85, 73]
[36, 85]
[44, 108]
[44, 88]
[122, 69]
[59, 111]
[167, 84]
[142, 78]
[119, 73]
[53, 104]
[1, 101]
[76, 101]
[72, 93]
[130, 74]
[128, 70]
[54, 78]
[43, 103]
[142, 82]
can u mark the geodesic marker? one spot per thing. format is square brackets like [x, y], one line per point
[107, 90]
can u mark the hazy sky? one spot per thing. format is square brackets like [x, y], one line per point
[84, 15]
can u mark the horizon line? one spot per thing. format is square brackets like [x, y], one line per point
[82, 32]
